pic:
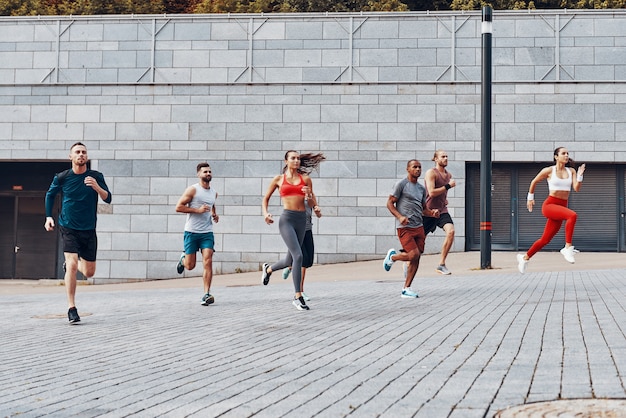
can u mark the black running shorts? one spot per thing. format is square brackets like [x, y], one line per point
[83, 243]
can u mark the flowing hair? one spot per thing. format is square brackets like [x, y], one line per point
[308, 162]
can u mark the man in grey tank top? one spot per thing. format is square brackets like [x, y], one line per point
[198, 202]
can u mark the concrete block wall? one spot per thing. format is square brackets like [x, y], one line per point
[312, 48]
[151, 96]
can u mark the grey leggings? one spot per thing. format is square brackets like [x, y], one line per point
[291, 225]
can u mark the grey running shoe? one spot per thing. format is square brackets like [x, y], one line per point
[266, 275]
[180, 267]
[442, 269]
[207, 299]
[306, 298]
[521, 263]
[72, 315]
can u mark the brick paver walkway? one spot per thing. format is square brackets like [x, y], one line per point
[468, 347]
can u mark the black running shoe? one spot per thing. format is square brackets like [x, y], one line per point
[207, 299]
[72, 315]
[300, 304]
[266, 275]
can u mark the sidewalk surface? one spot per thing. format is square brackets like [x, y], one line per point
[475, 343]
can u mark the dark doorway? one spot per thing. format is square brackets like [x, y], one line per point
[27, 251]
[621, 185]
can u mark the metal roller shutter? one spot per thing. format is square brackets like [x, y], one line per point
[596, 205]
[622, 199]
[500, 206]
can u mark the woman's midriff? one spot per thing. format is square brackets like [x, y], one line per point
[560, 194]
[293, 203]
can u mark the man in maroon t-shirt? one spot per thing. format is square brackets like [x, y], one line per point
[438, 181]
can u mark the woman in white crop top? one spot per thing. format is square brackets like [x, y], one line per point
[561, 179]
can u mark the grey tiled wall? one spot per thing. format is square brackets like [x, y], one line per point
[151, 96]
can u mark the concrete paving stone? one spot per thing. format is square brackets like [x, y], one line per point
[576, 391]
[479, 394]
[503, 401]
[466, 413]
[456, 387]
[605, 392]
[546, 384]
[541, 397]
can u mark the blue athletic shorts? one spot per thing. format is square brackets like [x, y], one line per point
[194, 241]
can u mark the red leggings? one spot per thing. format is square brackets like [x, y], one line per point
[556, 211]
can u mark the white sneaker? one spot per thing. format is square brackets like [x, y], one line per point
[521, 263]
[407, 292]
[568, 253]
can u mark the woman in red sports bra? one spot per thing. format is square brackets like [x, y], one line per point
[561, 179]
[294, 186]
